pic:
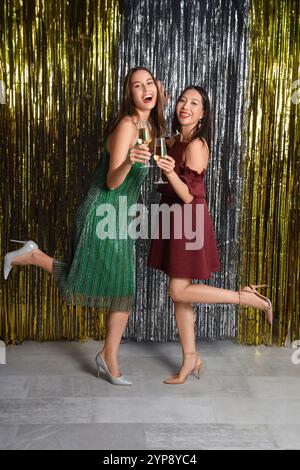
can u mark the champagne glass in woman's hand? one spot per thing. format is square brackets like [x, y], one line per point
[160, 152]
[144, 135]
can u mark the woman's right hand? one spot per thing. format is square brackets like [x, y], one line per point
[138, 154]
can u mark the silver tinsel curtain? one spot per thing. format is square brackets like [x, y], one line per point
[205, 43]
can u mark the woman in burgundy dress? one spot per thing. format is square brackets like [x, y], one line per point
[179, 255]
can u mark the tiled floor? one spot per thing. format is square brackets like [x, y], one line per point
[246, 398]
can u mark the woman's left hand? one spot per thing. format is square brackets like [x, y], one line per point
[167, 164]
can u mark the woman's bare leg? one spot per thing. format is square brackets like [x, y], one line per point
[184, 293]
[116, 324]
[35, 258]
[182, 290]
[185, 321]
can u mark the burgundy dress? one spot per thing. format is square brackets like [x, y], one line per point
[170, 255]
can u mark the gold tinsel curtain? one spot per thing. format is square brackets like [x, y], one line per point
[270, 206]
[57, 64]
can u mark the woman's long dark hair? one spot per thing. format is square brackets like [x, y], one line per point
[203, 130]
[127, 108]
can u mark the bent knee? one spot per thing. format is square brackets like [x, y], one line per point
[175, 294]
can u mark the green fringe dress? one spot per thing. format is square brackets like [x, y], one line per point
[98, 271]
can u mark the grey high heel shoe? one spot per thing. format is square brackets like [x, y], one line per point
[100, 362]
[28, 246]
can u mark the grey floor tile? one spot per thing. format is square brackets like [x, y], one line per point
[80, 437]
[219, 386]
[222, 365]
[286, 436]
[206, 387]
[275, 387]
[256, 410]
[44, 386]
[164, 410]
[37, 365]
[285, 369]
[46, 411]
[229, 347]
[254, 366]
[154, 365]
[208, 436]
[250, 394]
[8, 434]
[15, 386]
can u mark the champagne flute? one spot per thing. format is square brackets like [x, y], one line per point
[144, 136]
[160, 151]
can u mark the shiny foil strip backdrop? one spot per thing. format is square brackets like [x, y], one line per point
[57, 63]
[48, 148]
[270, 219]
[203, 43]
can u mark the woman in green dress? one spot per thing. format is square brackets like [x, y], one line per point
[99, 270]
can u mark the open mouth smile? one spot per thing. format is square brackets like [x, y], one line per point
[147, 98]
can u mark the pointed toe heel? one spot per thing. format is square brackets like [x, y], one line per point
[101, 364]
[176, 380]
[28, 246]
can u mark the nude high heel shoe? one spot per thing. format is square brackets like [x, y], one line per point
[253, 288]
[198, 366]
[27, 247]
[176, 381]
